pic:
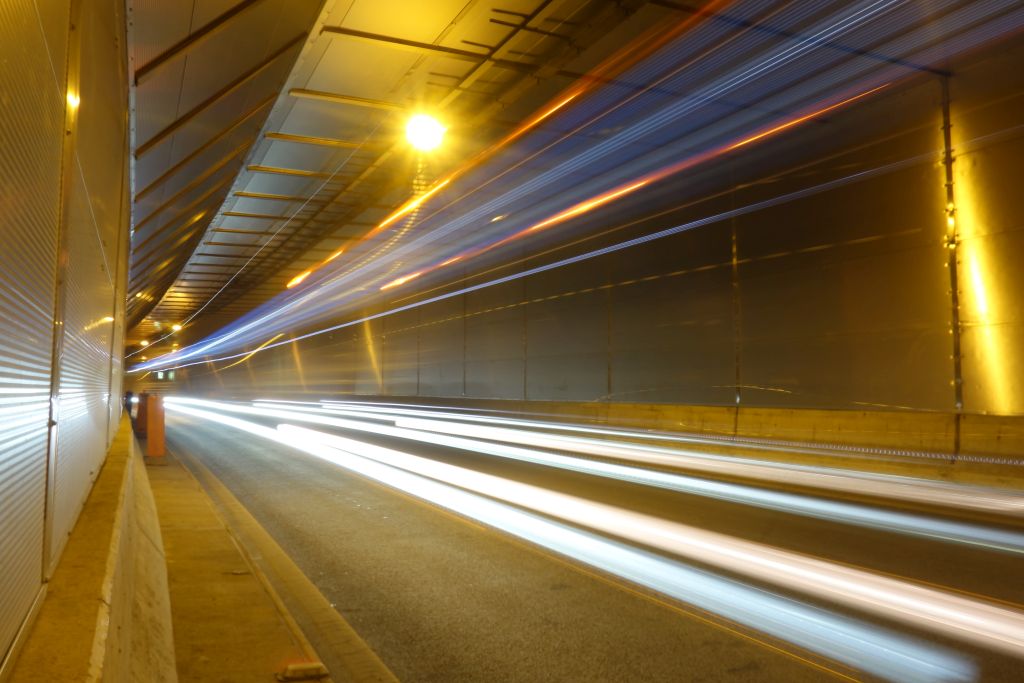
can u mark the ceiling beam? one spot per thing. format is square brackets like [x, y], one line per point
[323, 142]
[178, 195]
[208, 144]
[303, 93]
[199, 179]
[242, 214]
[237, 231]
[287, 171]
[277, 197]
[192, 39]
[219, 95]
[417, 46]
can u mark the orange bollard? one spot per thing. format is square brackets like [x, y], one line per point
[155, 426]
[140, 415]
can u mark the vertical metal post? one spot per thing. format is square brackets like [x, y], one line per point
[526, 337]
[419, 333]
[120, 274]
[608, 336]
[952, 263]
[72, 96]
[464, 359]
[737, 321]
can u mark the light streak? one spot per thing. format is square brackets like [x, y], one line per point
[938, 611]
[407, 208]
[97, 323]
[868, 647]
[641, 47]
[298, 278]
[401, 281]
[489, 416]
[630, 187]
[253, 352]
[263, 320]
[450, 435]
[761, 69]
[589, 205]
[801, 119]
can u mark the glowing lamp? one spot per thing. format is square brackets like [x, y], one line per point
[424, 132]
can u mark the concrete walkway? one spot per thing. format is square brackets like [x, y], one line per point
[228, 626]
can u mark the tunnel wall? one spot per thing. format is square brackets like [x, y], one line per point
[64, 189]
[865, 290]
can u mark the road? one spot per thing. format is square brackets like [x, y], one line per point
[442, 595]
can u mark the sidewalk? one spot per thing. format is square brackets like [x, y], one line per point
[228, 627]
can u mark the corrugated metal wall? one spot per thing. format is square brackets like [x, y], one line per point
[95, 217]
[30, 138]
[839, 297]
[63, 230]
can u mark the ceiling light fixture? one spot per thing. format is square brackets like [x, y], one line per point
[424, 132]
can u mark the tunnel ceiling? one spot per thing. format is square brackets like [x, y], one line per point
[267, 134]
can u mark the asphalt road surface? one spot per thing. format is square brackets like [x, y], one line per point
[441, 597]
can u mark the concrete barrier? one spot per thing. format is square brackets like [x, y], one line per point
[107, 613]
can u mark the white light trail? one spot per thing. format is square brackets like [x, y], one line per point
[908, 489]
[981, 623]
[867, 647]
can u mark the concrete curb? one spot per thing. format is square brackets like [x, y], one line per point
[107, 615]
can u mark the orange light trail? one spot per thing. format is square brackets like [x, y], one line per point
[298, 278]
[798, 121]
[402, 280]
[584, 207]
[409, 207]
[253, 352]
[532, 123]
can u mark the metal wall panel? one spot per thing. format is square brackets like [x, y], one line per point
[400, 354]
[367, 359]
[442, 339]
[672, 323]
[858, 317]
[30, 138]
[95, 224]
[844, 293]
[84, 369]
[567, 335]
[495, 345]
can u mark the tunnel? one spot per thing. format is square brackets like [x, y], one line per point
[511, 340]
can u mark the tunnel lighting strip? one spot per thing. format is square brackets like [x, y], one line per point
[440, 433]
[867, 647]
[910, 489]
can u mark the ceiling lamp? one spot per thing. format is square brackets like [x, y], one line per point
[424, 132]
